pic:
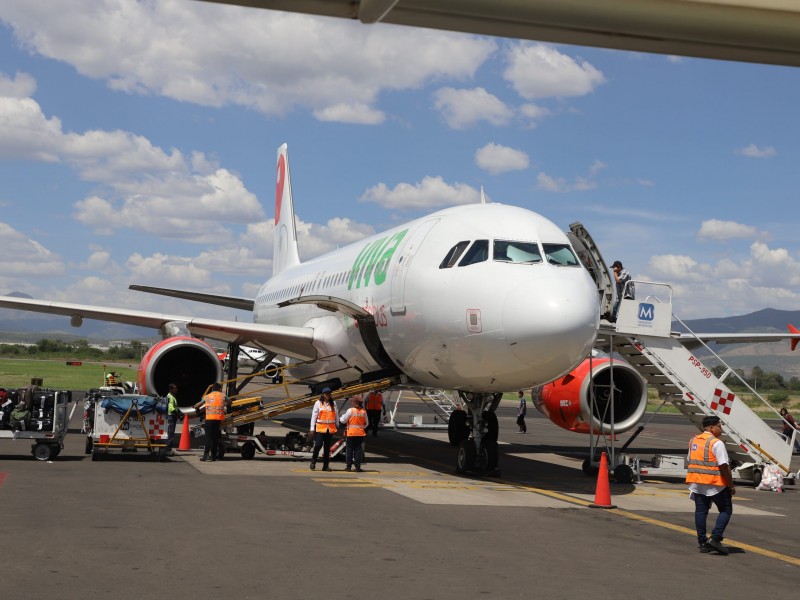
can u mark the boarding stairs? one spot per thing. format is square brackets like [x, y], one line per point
[440, 402]
[643, 336]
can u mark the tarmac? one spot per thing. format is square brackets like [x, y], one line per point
[407, 527]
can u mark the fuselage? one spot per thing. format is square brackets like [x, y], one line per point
[480, 298]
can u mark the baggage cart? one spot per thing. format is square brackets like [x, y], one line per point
[46, 426]
[128, 423]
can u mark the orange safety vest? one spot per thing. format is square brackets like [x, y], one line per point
[326, 418]
[215, 406]
[703, 467]
[374, 401]
[357, 422]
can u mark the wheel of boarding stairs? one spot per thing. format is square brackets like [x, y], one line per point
[589, 469]
[623, 474]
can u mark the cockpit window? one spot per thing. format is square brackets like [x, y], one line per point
[560, 254]
[517, 252]
[454, 254]
[478, 252]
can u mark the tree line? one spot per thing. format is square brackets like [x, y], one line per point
[759, 379]
[79, 349]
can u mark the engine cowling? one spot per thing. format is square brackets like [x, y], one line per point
[188, 362]
[567, 403]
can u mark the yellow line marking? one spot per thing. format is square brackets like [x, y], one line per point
[680, 529]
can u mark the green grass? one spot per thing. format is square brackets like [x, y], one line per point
[56, 374]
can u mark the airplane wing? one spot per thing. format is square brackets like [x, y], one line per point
[291, 341]
[692, 340]
[229, 301]
[744, 30]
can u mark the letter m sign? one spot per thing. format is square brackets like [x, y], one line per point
[646, 312]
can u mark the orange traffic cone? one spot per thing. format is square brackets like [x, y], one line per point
[186, 443]
[602, 494]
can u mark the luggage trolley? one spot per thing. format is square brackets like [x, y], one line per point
[46, 425]
[129, 422]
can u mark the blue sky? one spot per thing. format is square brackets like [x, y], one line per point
[138, 143]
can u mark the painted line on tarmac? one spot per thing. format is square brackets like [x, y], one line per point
[664, 524]
[3, 478]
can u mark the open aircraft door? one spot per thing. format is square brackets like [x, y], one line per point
[403, 263]
[593, 261]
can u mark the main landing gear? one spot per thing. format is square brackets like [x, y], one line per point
[475, 431]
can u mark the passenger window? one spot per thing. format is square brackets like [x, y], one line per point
[453, 255]
[560, 254]
[478, 252]
[517, 252]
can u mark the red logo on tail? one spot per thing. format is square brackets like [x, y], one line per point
[279, 187]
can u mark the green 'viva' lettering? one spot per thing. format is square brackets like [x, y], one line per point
[374, 257]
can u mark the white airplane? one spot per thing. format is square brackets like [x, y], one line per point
[481, 299]
[743, 30]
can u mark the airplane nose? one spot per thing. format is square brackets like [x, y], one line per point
[551, 323]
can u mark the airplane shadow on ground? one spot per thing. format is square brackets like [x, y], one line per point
[439, 456]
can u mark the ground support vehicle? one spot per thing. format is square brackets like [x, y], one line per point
[293, 445]
[47, 425]
[128, 423]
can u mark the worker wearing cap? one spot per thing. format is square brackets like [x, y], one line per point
[710, 481]
[323, 425]
[215, 404]
[355, 419]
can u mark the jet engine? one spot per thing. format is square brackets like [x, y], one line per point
[567, 400]
[188, 362]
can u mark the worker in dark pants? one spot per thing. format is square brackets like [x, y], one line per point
[323, 425]
[355, 420]
[172, 417]
[710, 482]
[215, 404]
[375, 406]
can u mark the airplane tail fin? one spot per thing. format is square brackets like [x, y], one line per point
[285, 252]
[793, 329]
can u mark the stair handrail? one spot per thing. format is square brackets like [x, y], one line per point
[729, 368]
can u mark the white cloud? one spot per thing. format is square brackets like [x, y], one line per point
[22, 86]
[25, 260]
[559, 184]
[539, 71]
[464, 108]
[147, 188]
[269, 61]
[431, 192]
[351, 113]
[717, 230]
[497, 159]
[753, 151]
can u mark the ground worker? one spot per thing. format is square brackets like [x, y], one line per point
[172, 416]
[710, 481]
[356, 421]
[374, 407]
[215, 404]
[323, 425]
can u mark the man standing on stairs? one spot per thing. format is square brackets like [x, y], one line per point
[710, 482]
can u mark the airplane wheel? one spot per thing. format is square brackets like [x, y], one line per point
[589, 469]
[623, 474]
[466, 456]
[492, 455]
[457, 428]
[42, 452]
[248, 450]
[492, 427]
